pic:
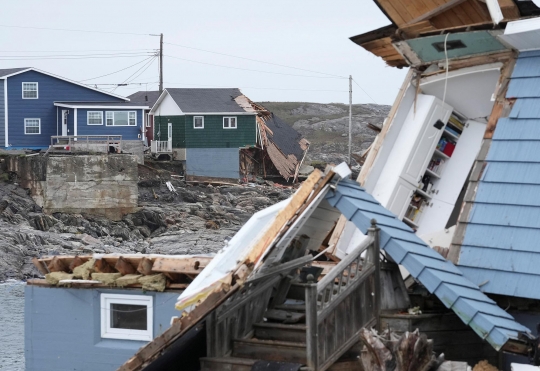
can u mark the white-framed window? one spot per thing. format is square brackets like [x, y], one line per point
[94, 117]
[121, 118]
[32, 126]
[30, 90]
[127, 317]
[198, 122]
[148, 120]
[229, 123]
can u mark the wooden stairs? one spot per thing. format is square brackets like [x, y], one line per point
[282, 338]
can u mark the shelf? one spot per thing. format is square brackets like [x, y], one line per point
[433, 174]
[451, 135]
[423, 193]
[410, 222]
[440, 154]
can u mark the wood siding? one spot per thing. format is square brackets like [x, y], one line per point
[214, 136]
[178, 129]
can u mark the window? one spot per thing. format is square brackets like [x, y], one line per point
[128, 317]
[229, 123]
[30, 90]
[148, 121]
[32, 126]
[95, 118]
[198, 122]
[121, 118]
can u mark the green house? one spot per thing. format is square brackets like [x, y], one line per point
[206, 128]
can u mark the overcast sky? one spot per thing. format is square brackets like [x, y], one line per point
[305, 34]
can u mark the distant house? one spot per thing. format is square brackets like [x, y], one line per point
[220, 133]
[148, 98]
[35, 105]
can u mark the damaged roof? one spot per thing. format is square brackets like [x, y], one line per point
[285, 137]
[502, 229]
[213, 100]
[437, 274]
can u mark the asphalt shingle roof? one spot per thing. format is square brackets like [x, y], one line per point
[147, 97]
[437, 274]
[206, 100]
[9, 71]
[285, 137]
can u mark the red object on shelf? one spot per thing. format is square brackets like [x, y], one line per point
[449, 149]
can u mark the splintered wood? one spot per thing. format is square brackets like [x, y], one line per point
[149, 272]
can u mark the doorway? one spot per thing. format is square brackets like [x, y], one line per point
[65, 114]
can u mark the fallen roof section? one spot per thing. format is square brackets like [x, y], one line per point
[438, 275]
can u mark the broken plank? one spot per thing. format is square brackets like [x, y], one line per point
[40, 266]
[145, 266]
[57, 265]
[101, 266]
[186, 266]
[124, 267]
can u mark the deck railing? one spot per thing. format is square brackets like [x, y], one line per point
[161, 146]
[340, 304]
[98, 143]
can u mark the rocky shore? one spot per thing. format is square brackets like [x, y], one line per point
[196, 218]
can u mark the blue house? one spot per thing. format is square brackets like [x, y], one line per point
[35, 105]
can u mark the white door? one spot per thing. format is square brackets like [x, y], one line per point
[65, 122]
[401, 198]
[169, 135]
[426, 142]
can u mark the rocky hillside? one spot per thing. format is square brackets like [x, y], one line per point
[326, 126]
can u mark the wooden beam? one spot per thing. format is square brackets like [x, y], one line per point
[145, 266]
[186, 266]
[438, 10]
[124, 267]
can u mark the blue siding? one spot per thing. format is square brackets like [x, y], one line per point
[127, 132]
[62, 329]
[500, 243]
[51, 89]
[215, 162]
[2, 116]
[438, 275]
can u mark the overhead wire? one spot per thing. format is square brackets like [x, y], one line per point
[123, 69]
[254, 60]
[247, 69]
[365, 92]
[130, 76]
[73, 57]
[74, 30]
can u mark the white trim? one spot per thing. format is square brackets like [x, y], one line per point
[65, 112]
[88, 117]
[75, 122]
[99, 107]
[68, 80]
[202, 127]
[115, 126]
[461, 72]
[29, 82]
[39, 126]
[147, 123]
[6, 130]
[158, 101]
[235, 122]
[109, 332]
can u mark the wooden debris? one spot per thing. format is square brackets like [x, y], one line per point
[78, 261]
[484, 366]
[57, 265]
[145, 266]
[40, 266]
[54, 277]
[124, 267]
[101, 266]
[156, 282]
[186, 266]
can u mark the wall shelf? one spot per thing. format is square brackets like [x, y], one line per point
[450, 135]
[423, 193]
[440, 154]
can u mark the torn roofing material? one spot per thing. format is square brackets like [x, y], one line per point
[214, 100]
[499, 245]
[438, 275]
[285, 146]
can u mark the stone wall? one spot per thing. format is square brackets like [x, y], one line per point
[93, 184]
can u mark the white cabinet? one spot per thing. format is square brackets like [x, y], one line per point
[399, 202]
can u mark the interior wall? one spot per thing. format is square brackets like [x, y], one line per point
[470, 90]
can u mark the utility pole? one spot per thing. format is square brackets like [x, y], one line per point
[160, 63]
[350, 118]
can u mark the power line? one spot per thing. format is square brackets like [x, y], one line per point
[365, 92]
[256, 60]
[130, 76]
[74, 51]
[251, 87]
[77, 55]
[74, 57]
[112, 73]
[247, 69]
[72, 30]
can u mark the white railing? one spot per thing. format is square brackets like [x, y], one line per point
[161, 146]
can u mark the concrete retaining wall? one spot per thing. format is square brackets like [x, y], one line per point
[93, 184]
[132, 147]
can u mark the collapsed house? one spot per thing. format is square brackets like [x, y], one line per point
[220, 133]
[457, 157]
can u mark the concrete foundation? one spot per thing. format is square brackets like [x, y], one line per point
[103, 185]
[132, 147]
